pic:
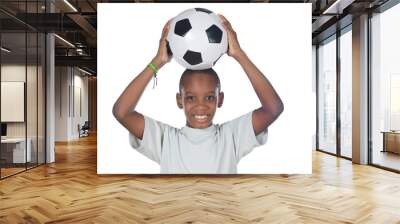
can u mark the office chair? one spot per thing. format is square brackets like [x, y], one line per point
[84, 130]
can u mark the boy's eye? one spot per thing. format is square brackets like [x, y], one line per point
[210, 98]
[189, 98]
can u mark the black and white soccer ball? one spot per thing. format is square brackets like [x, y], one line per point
[197, 38]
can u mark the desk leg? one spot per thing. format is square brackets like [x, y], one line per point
[384, 142]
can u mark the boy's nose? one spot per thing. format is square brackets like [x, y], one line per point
[201, 104]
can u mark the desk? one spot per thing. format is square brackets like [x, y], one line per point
[16, 147]
[391, 141]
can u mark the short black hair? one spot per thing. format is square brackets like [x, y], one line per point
[209, 71]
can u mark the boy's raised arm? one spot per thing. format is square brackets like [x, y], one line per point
[272, 105]
[124, 107]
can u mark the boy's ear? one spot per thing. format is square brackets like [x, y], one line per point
[220, 99]
[179, 100]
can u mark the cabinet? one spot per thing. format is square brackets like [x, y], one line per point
[13, 150]
[391, 141]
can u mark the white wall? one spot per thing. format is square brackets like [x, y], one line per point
[61, 103]
[12, 101]
[16, 73]
[33, 126]
[70, 83]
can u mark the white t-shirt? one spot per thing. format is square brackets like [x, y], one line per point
[216, 149]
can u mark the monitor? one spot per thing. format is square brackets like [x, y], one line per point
[3, 129]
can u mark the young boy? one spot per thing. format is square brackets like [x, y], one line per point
[200, 146]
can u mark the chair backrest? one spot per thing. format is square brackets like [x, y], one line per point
[86, 124]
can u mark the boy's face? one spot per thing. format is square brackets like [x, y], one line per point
[199, 98]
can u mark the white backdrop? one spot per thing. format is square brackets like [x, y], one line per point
[276, 37]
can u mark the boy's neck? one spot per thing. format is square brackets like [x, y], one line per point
[187, 125]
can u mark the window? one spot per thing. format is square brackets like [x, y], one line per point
[327, 96]
[346, 92]
[385, 88]
[22, 65]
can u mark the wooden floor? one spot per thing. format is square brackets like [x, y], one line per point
[70, 191]
[10, 171]
[387, 159]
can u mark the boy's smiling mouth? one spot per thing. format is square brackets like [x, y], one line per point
[201, 118]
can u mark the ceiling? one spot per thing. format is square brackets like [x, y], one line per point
[76, 22]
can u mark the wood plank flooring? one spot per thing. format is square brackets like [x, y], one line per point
[10, 171]
[388, 159]
[70, 191]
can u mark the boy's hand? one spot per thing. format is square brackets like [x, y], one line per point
[163, 55]
[234, 49]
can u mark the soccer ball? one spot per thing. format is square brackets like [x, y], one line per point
[197, 38]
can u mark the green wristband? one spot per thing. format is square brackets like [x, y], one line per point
[153, 67]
